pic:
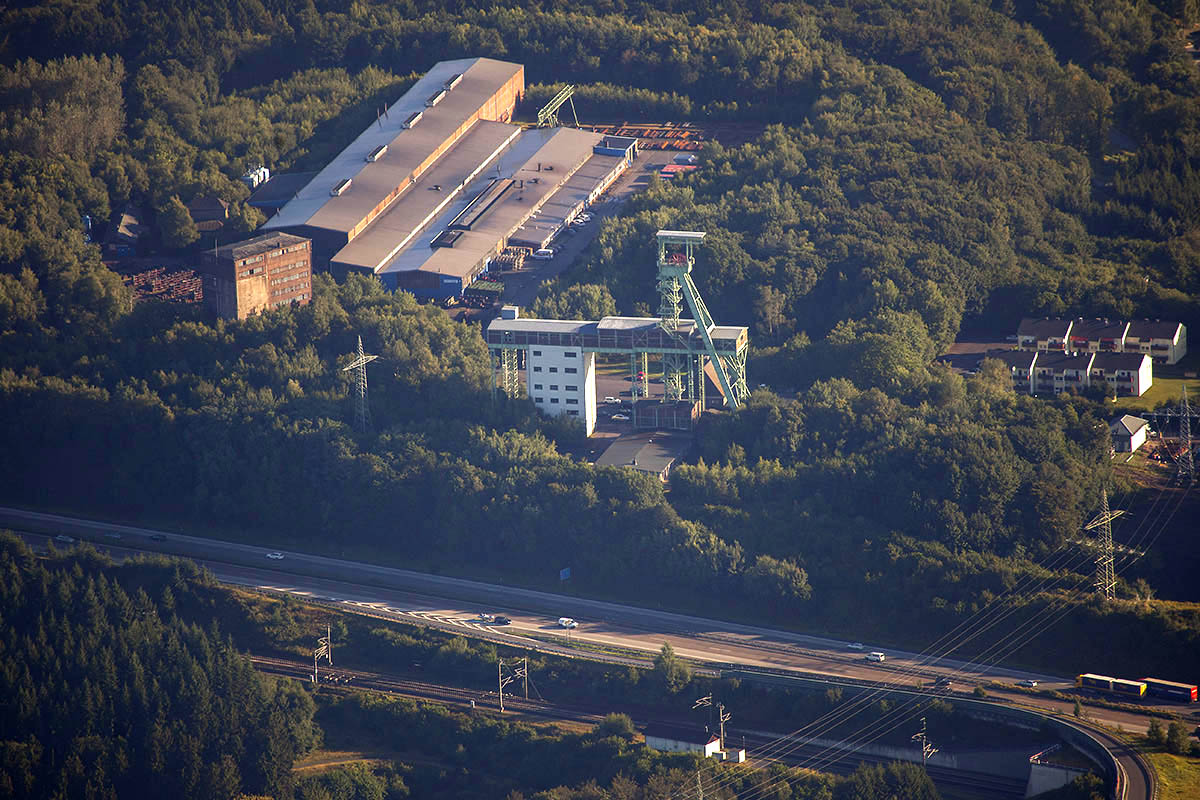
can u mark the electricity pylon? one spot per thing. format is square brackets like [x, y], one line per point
[1106, 580]
[362, 412]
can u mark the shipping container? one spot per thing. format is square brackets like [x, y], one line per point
[1183, 692]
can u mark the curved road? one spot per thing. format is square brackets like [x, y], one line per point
[626, 632]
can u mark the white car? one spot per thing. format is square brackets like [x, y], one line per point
[876, 656]
[620, 417]
[275, 556]
[567, 622]
[545, 254]
[855, 646]
[612, 401]
[484, 617]
[1027, 684]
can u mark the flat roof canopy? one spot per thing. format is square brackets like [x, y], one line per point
[681, 236]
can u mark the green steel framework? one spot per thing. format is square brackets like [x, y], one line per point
[683, 362]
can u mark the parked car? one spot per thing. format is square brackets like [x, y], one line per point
[567, 622]
[486, 617]
[855, 646]
[876, 656]
[502, 620]
[942, 683]
[1028, 683]
[275, 556]
[612, 401]
[544, 254]
[620, 417]
[64, 539]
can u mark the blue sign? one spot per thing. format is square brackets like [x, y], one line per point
[564, 573]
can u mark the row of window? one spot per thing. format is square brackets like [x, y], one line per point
[246, 273]
[571, 401]
[288, 289]
[568, 354]
[278, 268]
[298, 298]
[251, 260]
[568, 370]
[554, 387]
[289, 278]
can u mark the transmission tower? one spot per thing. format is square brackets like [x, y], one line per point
[1186, 472]
[1185, 465]
[362, 412]
[1106, 580]
[676, 257]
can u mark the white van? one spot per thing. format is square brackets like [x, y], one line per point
[876, 656]
[545, 254]
[567, 622]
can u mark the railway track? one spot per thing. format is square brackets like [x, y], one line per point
[985, 787]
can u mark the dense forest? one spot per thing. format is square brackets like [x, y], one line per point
[925, 167]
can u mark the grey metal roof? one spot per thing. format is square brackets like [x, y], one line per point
[647, 452]
[1019, 359]
[272, 240]
[1044, 328]
[417, 207]
[534, 325]
[518, 212]
[686, 326]
[1095, 329]
[279, 189]
[1128, 424]
[1063, 361]
[1111, 361]
[679, 734]
[1153, 329]
[408, 148]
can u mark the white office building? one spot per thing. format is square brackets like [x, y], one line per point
[562, 380]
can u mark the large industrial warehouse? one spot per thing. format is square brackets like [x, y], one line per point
[443, 182]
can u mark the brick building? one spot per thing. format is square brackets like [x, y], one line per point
[267, 271]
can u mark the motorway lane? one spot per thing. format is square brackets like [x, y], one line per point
[454, 604]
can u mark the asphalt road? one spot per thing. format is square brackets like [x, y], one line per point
[454, 603]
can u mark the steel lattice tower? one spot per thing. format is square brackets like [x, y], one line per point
[1186, 467]
[1106, 580]
[676, 257]
[362, 411]
[510, 380]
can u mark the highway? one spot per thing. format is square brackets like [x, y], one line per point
[625, 630]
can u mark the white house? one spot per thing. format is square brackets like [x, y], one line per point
[1129, 374]
[1044, 334]
[562, 380]
[1165, 342]
[1020, 366]
[682, 740]
[1128, 433]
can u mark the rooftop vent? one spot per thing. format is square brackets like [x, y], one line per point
[377, 153]
[413, 118]
[454, 81]
[340, 188]
[435, 98]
